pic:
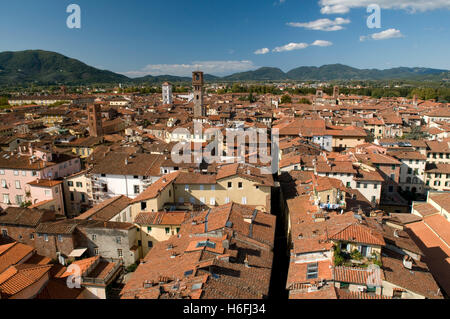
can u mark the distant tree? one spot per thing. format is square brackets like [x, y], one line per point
[370, 136]
[304, 101]
[416, 133]
[286, 99]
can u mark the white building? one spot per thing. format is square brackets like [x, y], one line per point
[167, 93]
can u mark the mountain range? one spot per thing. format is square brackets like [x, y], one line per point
[44, 67]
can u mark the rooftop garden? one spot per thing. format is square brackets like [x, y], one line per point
[354, 258]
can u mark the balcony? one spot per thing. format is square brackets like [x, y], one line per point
[104, 273]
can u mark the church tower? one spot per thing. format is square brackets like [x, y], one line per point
[167, 93]
[95, 120]
[197, 83]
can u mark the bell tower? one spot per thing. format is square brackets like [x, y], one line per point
[95, 120]
[197, 83]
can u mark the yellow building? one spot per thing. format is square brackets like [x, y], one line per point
[85, 146]
[157, 227]
[236, 183]
[77, 193]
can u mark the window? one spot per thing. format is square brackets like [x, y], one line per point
[94, 237]
[358, 185]
[24, 173]
[391, 189]
[60, 238]
[365, 185]
[244, 200]
[143, 205]
[119, 253]
[19, 199]
[312, 271]
[16, 173]
[45, 237]
[32, 236]
[212, 201]
[240, 185]
[375, 186]
[150, 244]
[6, 199]
[17, 184]
[227, 200]
[202, 187]
[348, 184]
[213, 187]
[178, 229]
[186, 188]
[4, 233]
[149, 229]
[2, 172]
[4, 185]
[79, 184]
[96, 251]
[167, 230]
[136, 189]
[47, 193]
[70, 183]
[202, 200]
[230, 184]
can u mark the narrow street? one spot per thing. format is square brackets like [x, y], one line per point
[277, 290]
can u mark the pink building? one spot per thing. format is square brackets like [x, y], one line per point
[20, 172]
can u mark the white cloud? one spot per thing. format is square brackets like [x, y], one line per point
[322, 24]
[262, 51]
[210, 67]
[383, 35]
[343, 6]
[322, 43]
[336, 9]
[290, 47]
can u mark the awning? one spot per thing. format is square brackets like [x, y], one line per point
[77, 252]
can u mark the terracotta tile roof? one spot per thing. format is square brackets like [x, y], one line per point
[24, 216]
[85, 266]
[45, 183]
[353, 275]
[157, 187]
[106, 210]
[195, 178]
[438, 147]
[161, 218]
[425, 209]
[440, 225]
[17, 278]
[418, 280]
[437, 253]
[116, 163]
[327, 292]
[359, 234]
[442, 199]
[57, 289]
[196, 264]
[59, 227]
[13, 253]
[347, 294]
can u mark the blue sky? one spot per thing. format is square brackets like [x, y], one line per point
[138, 37]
